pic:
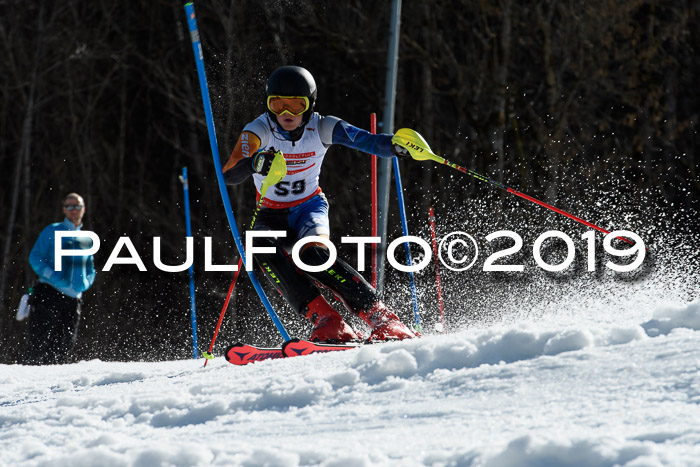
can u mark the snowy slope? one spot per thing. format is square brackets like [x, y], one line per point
[514, 394]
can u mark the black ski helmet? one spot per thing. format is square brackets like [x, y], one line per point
[292, 81]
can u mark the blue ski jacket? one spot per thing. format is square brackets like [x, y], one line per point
[77, 272]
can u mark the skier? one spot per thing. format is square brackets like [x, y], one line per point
[297, 205]
[55, 302]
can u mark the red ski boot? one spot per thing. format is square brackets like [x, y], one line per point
[385, 324]
[328, 324]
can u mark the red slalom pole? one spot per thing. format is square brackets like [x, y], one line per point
[208, 354]
[431, 219]
[373, 130]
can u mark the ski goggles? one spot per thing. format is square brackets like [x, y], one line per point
[293, 105]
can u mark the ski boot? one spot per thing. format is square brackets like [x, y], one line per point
[385, 324]
[329, 326]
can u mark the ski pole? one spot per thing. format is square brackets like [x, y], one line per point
[420, 150]
[438, 282]
[277, 173]
[204, 88]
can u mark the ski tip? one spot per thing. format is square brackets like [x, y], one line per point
[243, 354]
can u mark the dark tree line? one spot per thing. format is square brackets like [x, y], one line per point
[591, 106]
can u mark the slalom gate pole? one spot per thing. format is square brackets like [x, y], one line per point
[420, 150]
[373, 130]
[409, 259]
[199, 60]
[208, 355]
[193, 308]
[438, 282]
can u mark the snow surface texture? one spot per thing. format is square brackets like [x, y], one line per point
[515, 394]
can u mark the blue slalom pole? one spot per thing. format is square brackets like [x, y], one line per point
[409, 259]
[193, 307]
[199, 59]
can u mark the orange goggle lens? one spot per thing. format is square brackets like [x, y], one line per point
[293, 105]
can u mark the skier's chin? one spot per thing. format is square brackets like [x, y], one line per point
[289, 126]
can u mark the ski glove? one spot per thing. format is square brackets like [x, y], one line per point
[401, 151]
[262, 160]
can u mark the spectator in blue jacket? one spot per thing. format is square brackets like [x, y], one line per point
[55, 313]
